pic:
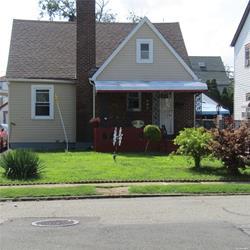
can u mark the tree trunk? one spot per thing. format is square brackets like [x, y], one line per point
[197, 161]
[233, 171]
[146, 148]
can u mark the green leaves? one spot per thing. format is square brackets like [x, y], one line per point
[21, 164]
[194, 142]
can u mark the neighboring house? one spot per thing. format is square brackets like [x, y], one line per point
[3, 90]
[4, 110]
[3, 100]
[120, 72]
[241, 44]
[209, 68]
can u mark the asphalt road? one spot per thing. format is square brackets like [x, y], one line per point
[147, 223]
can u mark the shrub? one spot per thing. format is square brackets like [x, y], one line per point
[152, 133]
[21, 164]
[232, 147]
[194, 142]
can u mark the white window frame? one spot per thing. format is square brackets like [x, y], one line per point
[150, 42]
[135, 109]
[34, 88]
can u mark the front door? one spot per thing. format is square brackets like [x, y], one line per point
[167, 112]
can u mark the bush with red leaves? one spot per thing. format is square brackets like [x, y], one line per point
[232, 146]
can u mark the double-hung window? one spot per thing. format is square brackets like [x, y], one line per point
[42, 98]
[144, 51]
[247, 55]
[134, 101]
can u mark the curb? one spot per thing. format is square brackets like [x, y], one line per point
[121, 181]
[93, 197]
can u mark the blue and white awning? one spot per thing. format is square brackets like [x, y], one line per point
[209, 107]
[149, 86]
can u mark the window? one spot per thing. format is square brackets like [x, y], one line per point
[144, 51]
[248, 97]
[202, 66]
[42, 102]
[247, 55]
[5, 117]
[134, 102]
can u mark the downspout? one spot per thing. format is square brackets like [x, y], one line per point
[92, 83]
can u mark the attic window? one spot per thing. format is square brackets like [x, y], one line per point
[202, 66]
[144, 51]
[247, 55]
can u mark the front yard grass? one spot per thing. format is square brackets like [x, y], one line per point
[46, 192]
[60, 167]
[191, 188]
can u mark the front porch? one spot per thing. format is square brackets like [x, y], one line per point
[171, 106]
[133, 141]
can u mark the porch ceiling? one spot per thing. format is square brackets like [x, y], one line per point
[149, 86]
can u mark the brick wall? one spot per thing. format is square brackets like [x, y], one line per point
[114, 108]
[86, 61]
[184, 111]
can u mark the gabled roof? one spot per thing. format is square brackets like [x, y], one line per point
[213, 69]
[145, 21]
[47, 50]
[241, 25]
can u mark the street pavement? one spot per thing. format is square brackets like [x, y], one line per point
[221, 222]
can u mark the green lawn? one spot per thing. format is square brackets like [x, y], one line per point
[47, 192]
[190, 188]
[82, 166]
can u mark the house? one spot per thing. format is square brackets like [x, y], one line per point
[120, 72]
[4, 110]
[3, 100]
[209, 68]
[3, 90]
[241, 44]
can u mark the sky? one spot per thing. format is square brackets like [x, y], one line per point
[208, 27]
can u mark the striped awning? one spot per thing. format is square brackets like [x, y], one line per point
[149, 86]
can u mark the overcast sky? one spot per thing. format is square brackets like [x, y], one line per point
[208, 26]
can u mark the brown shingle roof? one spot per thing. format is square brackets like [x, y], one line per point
[47, 50]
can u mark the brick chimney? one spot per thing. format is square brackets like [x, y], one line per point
[86, 62]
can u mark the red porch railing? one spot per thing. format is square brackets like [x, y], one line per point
[133, 141]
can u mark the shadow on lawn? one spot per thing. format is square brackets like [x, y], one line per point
[143, 155]
[221, 172]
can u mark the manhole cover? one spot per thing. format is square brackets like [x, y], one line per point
[55, 223]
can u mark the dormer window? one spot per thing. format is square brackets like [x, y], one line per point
[144, 50]
[202, 66]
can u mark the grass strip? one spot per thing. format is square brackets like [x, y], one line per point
[190, 188]
[47, 192]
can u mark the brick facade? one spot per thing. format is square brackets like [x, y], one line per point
[86, 62]
[114, 108]
[183, 111]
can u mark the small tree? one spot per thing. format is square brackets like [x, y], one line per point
[152, 133]
[232, 147]
[194, 142]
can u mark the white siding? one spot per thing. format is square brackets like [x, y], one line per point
[165, 66]
[27, 130]
[242, 73]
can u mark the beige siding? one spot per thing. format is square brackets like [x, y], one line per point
[165, 66]
[27, 130]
